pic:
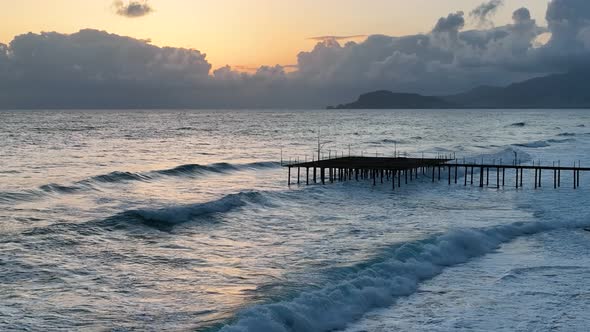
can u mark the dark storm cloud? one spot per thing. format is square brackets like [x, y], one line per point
[569, 22]
[94, 69]
[132, 8]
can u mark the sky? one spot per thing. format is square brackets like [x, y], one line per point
[243, 33]
[276, 53]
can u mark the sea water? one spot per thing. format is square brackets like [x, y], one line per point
[183, 220]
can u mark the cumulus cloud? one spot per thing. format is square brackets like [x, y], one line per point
[96, 69]
[132, 8]
[450, 24]
[482, 14]
[521, 15]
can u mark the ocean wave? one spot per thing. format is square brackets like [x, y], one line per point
[505, 156]
[381, 282]
[535, 144]
[189, 170]
[566, 134]
[518, 124]
[192, 169]
[167, 217]
[564, 140]
[118, 177]
[388, 141]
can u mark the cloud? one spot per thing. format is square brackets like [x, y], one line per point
[521, 15]
[95, 69]
[566, 19]
[482, 13]
[132, 8]
[450, 24]
[337, 38]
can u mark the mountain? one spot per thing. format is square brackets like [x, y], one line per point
[390, 100]
[567, 90]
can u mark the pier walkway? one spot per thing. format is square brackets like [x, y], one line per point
[400, 170]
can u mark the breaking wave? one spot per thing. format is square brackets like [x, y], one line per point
[379, 283]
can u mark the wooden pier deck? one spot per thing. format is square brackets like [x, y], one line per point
[394, 170]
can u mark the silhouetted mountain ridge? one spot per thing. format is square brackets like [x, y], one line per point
[386, 100]
[567, 90]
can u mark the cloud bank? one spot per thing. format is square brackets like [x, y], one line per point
[95, 69]
[132, 8]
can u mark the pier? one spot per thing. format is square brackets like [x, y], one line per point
[399, 171]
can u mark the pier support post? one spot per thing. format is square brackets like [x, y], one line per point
[540, 181]
[498, 177]
[315, 180]
[517, 178]
[393, 179]
[406, 174]
[471, 175]
[465, 176]
[575, 176]
[456, 170]
[298, 175]
[487, 176]
[323, 175]
[503, 177]
[433, 173]
[289, 177]
[536, 178]
[307, 176]
[481, 171]
[449, 170]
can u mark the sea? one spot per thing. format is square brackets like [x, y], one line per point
[182, 220]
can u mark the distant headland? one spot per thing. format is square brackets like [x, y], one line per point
[569, 90]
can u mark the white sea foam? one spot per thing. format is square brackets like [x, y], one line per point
[380, 284]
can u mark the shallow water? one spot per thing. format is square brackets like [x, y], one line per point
[182, 220]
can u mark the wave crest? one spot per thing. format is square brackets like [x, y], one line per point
[379, 284]
[168, 217]
[188, 170]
